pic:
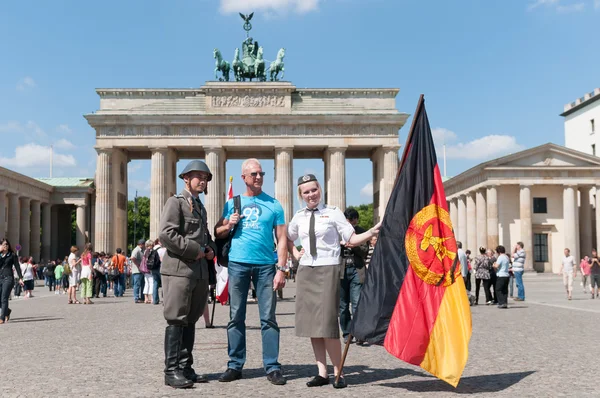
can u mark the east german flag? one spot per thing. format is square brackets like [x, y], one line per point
[414, 301]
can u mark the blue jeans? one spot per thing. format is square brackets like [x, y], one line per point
[119, 285]
[520, 287]
[156, 277]
[138, 286]
[262, 275]
[511, 285]
[349, 294]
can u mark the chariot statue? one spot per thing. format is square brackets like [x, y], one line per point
[250, 64]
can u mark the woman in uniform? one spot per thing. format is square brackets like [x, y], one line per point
[319, 228]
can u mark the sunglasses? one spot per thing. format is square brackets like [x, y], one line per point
[257, 173]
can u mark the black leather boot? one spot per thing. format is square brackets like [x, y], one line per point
[174, 376]
[186, 359]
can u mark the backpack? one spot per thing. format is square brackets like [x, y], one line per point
[224, 244]
[153, 261]
[67, 270]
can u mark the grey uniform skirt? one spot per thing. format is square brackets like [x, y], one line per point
[318, 301]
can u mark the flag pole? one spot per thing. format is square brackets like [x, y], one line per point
[404, 154]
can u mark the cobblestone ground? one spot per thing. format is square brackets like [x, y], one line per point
[541, 347]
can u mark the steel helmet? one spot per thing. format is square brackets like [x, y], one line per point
[196, 165]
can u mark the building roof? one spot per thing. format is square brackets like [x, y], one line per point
[582, 102]
[68, 181]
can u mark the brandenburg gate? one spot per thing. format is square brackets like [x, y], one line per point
[238, 120]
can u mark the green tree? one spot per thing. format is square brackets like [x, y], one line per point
[143, 221]
[365, 215]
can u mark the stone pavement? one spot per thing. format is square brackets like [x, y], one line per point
[541, 347]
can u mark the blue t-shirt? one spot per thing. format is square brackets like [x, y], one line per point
[253, 240]
[503, 263]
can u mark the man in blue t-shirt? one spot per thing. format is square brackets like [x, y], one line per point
[251, 258]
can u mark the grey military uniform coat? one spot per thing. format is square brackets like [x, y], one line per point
[184, 233]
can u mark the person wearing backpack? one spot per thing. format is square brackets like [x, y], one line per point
[147, 266]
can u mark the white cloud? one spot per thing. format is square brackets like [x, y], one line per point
[442, 135]
[31, 129]
[597, 4]
[25, 83]
[64, 144]
[562, 6]
[34, 155]
[282, 6]
[64, 128]
[367, 191]
[484, 148]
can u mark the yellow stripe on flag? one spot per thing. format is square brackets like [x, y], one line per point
[448, 347]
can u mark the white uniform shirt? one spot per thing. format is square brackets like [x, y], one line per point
[331, 226]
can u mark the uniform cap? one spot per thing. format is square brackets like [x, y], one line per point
[306, 178]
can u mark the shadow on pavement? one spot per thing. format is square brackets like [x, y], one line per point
[467, 385]
[32, 319]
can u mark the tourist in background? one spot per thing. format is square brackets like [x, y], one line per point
[501, 266]
[464, 264]
[28, 272]
[8, 260]
[569, 272]
[482, 268]
[518, 267]
[137, 277]
[58, 277]
[74, 274]
[584, 266]
[594, 273]
[87, 274]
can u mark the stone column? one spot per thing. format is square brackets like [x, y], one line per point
[585, 222]
[471, 223]
[481, 220]
[284, 184]
[215, 199]
[2, 213]
[81, 227]
[92, 226]
[454, 214]
[25, 230]
[390, 170]
[569, 209]
[171, 172]
[335, 159]
[491, 196]
[104, 230]
[525, 205]
[46, 230]
[158, 189]
[35, 236]
[462, 220]
[13, 225]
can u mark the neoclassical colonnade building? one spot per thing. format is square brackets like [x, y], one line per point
[35, 214]
[546, 197]
[238, 120]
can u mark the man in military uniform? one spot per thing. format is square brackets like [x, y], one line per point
[185, 235]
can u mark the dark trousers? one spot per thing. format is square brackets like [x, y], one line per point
[51, 282]
[467, 280]
[493, 279]
[100, 285]
[18, 289]
[502, 289]
[487, 289]
[6, 285]
[349, 294]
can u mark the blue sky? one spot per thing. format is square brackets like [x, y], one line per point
[495, 73]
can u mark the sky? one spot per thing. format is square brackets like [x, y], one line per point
[495, 73]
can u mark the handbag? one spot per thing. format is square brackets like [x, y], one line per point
[224, 244]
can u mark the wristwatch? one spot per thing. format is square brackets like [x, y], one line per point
[280, 268]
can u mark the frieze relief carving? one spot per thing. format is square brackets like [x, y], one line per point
[248, 101]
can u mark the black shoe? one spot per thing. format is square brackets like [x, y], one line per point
[193, 376]
[275, 377]
[317, 381]
[174, 376]
[346, 340]
[230, 375]
[340, 384]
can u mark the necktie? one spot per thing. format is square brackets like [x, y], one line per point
[311, 233]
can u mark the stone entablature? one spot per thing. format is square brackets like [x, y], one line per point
[16, 183]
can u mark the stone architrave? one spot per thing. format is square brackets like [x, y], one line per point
[35, 236]
[25, 230]
[284, 184]
[525, 205]
[491, 196]
[480, 204]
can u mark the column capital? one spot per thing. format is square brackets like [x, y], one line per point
[391, 147]
[525, 185]
[158, 149]
[337, 148]
[284, 148]
[101, 150]
[214, 149]
[571, 185]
